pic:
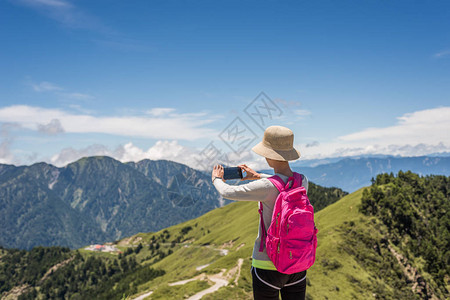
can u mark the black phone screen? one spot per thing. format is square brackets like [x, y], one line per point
[232, 173]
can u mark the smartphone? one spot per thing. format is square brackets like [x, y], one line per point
[232, 173]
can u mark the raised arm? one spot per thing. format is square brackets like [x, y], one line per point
[257, 190]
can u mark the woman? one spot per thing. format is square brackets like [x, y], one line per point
[277, 147]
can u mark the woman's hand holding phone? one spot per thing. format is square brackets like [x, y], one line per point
[217, 172]
[250, 173]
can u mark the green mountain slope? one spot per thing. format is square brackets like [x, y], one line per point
[356, 257]
[32, 214]
[234, 228]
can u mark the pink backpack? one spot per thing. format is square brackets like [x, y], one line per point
[291, 239]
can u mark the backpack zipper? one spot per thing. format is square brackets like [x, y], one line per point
[290, 254]
[278, 215]
[278, 248]
[288, 228]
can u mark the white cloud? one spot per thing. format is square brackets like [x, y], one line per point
[418, 133]
[52, 128]
[69, 155]
[341, 150]
[312, 144]
[160, 111]
[175, 126]
[162, 149]
[5, 151]
[429, 126]
[6, 155]
[45, 86]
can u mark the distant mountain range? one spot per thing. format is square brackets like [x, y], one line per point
[99, 199]
[351, 174]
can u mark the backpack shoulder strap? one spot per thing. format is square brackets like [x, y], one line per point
[299, 178]
[263, 228]
[281, 186]
[277, 182]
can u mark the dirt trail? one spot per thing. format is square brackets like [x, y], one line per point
[16, 292]
[181, 282]
[221, 279]
[142, 297]
[55, 267]
[240, 262]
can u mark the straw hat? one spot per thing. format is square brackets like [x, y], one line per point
[277, 144]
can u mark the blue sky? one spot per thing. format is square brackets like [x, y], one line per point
[163, 79]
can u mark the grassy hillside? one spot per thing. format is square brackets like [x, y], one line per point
[234, 228]
[355, 260]
[230, 229]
